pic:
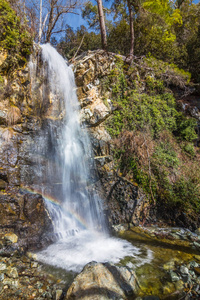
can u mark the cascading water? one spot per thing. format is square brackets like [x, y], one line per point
[79, 221]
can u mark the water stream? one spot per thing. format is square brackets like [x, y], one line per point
[78, 218]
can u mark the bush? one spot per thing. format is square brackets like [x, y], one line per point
[14, 37]
[186, 128]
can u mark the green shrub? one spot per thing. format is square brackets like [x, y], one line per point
[14, 36]
[165, 155]
[139, 111]
[189, 149]
[186, 128]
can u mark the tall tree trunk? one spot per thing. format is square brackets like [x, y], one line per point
[102, 24]
[40, 25]
[50, 23]
[131, 53]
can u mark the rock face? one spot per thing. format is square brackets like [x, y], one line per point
[29, 114]
[23, 115]
[124, 202]
[103, 281]
[25, 220]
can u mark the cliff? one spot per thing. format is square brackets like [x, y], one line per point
[143, 124]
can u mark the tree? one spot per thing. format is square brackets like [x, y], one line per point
[128, 10]
[102, 24]
[94, 14]
[131, 29]
[51, 16]
[77, 41]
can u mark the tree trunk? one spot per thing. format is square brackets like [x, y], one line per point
[50, 23]
[131, 53]
[102, 24]
[40, 25]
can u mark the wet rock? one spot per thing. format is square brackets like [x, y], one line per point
[31, 255]
[103, 281]
[151, 298]
[2, 266]
[197, 231]
[3, 184]
[126, 203]
[34, 265]
[169, 265]
[179, 285]
[9, 210]
[197, 270]
[120, 228]
[193, 264]
[11, 282]
[196, 245]
[39, 223]
[184, 270]
[58, 294]
[12, 272]
[168, 288]
[12, 237]
[1, 276]
[174, 276]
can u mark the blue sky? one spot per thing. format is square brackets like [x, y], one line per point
[76, 20]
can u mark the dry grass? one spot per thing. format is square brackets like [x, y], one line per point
[7, 134]
[14, 115]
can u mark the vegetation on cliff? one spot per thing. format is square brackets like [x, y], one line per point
[15, 39]
[154, 142]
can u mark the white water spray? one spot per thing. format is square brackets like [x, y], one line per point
[79, 221]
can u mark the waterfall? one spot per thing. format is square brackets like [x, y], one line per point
[78, 218]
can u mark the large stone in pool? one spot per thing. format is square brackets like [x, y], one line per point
[102, 282]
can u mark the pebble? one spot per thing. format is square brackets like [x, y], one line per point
[197, 231]
[34, 265]
[184, 270]
[196, 245]
[2, 266]
[174, 276]
[1, 276]
[193, 264]
[179, 285]
[31, 255]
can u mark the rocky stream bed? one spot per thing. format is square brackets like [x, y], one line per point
[167, 266]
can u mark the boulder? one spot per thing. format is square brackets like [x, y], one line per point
[13, 238]
[3, 184]
[103, 281]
